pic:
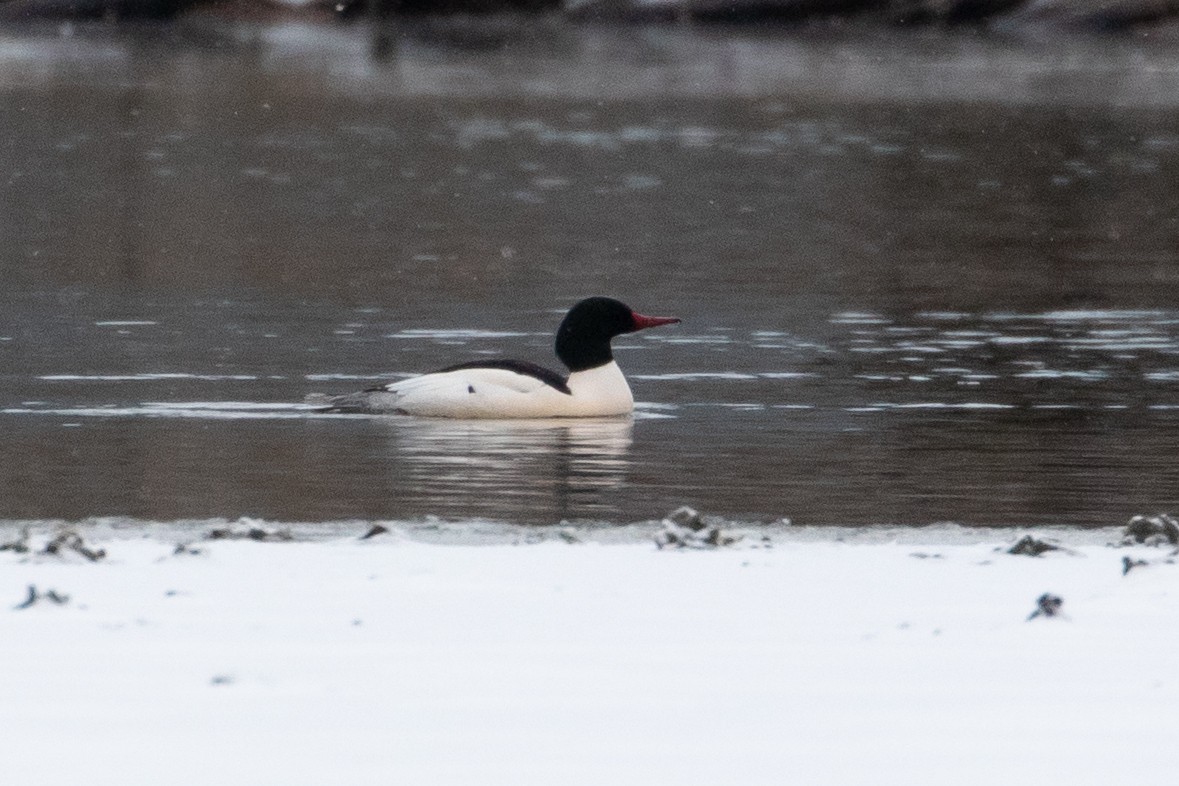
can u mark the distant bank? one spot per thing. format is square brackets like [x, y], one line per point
[1142, 17]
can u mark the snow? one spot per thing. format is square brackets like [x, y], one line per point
[392, 660]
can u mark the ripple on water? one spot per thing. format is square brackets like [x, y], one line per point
[153, 377]
[455, 334]
[214, 410]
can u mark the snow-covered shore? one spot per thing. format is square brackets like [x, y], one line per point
[391, 660]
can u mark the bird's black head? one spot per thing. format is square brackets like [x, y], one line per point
[583, 339]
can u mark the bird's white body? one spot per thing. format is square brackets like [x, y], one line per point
[502, 393]
[513, 389]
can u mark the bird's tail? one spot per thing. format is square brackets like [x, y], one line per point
[348, 402]
[363, 402]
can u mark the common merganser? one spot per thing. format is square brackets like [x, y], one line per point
[595, 386]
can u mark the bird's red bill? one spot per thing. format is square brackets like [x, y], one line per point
[643, 322]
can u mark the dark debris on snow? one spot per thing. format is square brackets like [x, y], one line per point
[70, 541]
[1047, 605]
[1033, 547]
[36, 596]
[685, 528]
[250, 530]
[18, 546]
[1155, 530]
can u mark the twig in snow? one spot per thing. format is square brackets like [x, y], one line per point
[72, 541]
[1129, 564]
[376, 529]
[1047, 605]
[34, 596]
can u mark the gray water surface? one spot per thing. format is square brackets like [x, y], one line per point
[922, 279]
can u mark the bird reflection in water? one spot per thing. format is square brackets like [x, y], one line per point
[535, 471]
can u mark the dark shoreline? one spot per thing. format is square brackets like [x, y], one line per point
[492, 532]
[1146, 18]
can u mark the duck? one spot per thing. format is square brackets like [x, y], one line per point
[500, 388]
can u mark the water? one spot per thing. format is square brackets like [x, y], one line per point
[923, 278]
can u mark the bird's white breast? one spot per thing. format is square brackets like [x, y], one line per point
[602, 390]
